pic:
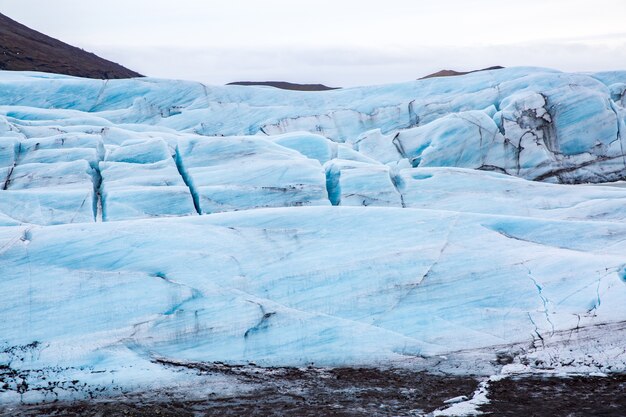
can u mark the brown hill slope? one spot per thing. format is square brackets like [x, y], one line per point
[452, 73]
[24, 49]
[286, 86]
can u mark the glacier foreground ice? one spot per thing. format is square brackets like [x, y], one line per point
[149, 222]
[248, 286]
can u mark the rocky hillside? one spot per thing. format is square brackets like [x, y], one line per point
[453, 73]
[283, 85]
[24, 49]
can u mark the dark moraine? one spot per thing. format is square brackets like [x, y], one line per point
[346, 392]
[285, 392]
[575, 396]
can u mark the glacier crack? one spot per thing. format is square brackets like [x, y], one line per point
[542, 297]
[333, 186]
[99, 97]
[619, 131]
[415, 285]
[565, 170]
[195, 294]
[543, 343]
[195, 196]
[263, 321]
[8, 178]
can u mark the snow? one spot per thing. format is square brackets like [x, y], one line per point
[151, 219]
[467, 407]
[456, 400]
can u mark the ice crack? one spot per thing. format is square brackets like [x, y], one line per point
[178, 159]
[544, 300]
[536, 329]
[262, 324]
[414, 285]
[195, 294]
[619, 131]
[396, 180]
[99, 97]
[7, 181]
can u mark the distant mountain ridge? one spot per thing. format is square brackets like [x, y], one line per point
[283, 85]
[453, 73]
[24, 49]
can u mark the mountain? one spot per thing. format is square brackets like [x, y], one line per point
[452, 73]
[24, 49]
[285, 85]
[160, 237]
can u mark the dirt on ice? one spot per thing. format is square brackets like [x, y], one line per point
[347, 392]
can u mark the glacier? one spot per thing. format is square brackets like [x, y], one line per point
[434, 223]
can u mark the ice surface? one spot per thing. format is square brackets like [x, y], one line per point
[494, 193]
[236, 173]
[150, 219]
[529, 122]
[291, 286]
[140, 179]
[352, 183]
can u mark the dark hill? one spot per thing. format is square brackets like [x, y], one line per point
[24, 49]
[286, 86]
[452, 73]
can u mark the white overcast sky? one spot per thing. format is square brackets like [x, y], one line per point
[335, 42]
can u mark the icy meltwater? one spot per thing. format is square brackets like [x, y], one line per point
[145, 220]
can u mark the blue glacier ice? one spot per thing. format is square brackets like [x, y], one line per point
[148, 220]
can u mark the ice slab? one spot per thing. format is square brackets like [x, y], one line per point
[140, 179]
[236, 173]
[48, 207]
[74, 174]
[352, 183]
[473, 191]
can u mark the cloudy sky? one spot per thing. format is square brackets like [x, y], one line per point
[335, 42]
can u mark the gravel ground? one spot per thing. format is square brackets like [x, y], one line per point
[576, 396]
[343, 392]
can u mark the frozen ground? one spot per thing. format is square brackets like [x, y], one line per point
[150, 225]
